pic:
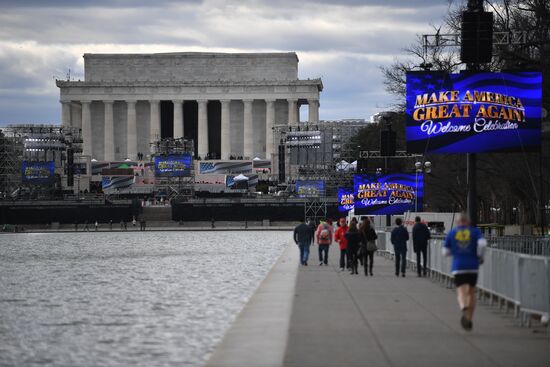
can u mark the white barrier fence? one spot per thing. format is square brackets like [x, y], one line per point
[507, 278]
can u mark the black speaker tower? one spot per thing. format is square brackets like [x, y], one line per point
[477, 37]
[282, 176]
[388, 143]
[70, 167]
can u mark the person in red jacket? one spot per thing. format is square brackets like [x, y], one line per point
[340, 237]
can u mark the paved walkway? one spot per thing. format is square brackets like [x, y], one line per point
[341, 319]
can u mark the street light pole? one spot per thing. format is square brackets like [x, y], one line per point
[416, 193]
[420, 167]
[471, 167]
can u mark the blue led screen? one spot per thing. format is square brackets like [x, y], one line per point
[388, 194]
[173, 165]
[38, 173]
[473, 112]
[346, 199]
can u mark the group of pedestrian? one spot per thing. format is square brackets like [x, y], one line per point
[357, 243]
[399, 238]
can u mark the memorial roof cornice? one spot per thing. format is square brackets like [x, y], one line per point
[140, 83]
[234, 55]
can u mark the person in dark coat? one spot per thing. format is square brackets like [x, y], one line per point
[353, 239]
[421, 236]
[399, 238]
[313, 227]
[303, 237]
[368, 242]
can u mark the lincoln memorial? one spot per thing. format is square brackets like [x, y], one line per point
[227, 103]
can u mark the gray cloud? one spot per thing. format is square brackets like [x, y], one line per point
[344, 42]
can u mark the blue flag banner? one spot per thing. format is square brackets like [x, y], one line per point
[473, 112]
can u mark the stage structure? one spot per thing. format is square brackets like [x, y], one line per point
[317, 151]
[178, 185]
[34, 143]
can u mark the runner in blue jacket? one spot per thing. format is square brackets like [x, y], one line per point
[465, 243]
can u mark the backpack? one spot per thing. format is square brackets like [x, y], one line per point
[325, 233]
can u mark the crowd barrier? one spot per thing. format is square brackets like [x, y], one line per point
[513, 280]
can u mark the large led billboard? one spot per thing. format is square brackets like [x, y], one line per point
[173, 165]
[310, 188]
[473, 112]
[38, 173]
[346, 199]
[388, 194]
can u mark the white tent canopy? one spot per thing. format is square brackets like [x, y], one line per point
[240, 177]
[257, 159]
[342, 165]
[346, 166]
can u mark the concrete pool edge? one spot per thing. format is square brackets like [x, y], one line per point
[259, 334]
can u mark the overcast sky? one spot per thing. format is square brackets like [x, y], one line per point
[342, 41]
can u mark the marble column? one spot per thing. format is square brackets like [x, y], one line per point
[225, 129]
[313, 111]
[269, 122]
[178, 119]
[109, 131]
[248, 141]
[86, 129]
[131, 132]
[292, 111]
[202, 143]
[65, 113]
[154, 122]
[76, 115]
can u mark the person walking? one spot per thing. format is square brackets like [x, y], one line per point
[312, 227]
[340, 238]
[110, 225]
[96, 225]
[399, 238]
[466, 245]
[421, 235]
[86, 227]
[324, 240]
[368, 242]
[353, 239]
[303, 237]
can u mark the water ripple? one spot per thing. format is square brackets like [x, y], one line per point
[118, 299]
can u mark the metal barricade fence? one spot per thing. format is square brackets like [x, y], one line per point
[529, 245]
[509, 278]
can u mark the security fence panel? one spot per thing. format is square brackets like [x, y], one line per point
[504, 275]
[534, 292]
[509, 272]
